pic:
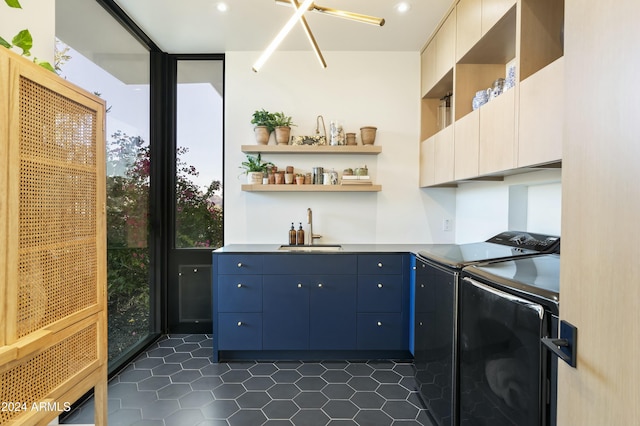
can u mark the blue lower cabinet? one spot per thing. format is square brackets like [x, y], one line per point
[240, 293]
[381, 331]
[379, 293]
[274, 306]
[240, 331]
[285, 306]
[332, 319]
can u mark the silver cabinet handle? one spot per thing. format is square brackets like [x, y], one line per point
[239, 264]
[195, 270]
[239, 285]
[379, 264]
[379, 324]
[239, 323]
[320, 285]
[380, 285]
[299, 285]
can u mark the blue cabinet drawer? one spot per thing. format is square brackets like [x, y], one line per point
[240, 331]
[240, 293]
[381, 331]
[379, 293]
[239, 264]
[377, 264]
[301, 263]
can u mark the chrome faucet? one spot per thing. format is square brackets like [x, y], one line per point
[312, 236]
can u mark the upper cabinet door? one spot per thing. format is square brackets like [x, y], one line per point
[446, 46]
[492, 11]
[428, 68]
[468, 25]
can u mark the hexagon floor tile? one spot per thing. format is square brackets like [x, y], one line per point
[175, 383]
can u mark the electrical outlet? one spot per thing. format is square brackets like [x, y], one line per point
[446, 224]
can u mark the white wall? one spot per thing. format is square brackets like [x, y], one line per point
[527, 202]
[359, 88]
[39, 18]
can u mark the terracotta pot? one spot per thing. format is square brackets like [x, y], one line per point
[279, 178]
[288, 178]
[300, 180]
[262, 134]
[283, 134]
[351, 139]
[368, 135]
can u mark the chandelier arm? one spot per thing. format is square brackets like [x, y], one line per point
[281, 35]
[312, 39]
[358, 17]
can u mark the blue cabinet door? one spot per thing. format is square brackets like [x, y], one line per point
[379, 293]
[380, 331]
[285, 307]
[332, 317]
[240, 331]
[240, 293]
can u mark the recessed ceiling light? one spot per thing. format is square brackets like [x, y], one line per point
[222, 7]
[402, 7]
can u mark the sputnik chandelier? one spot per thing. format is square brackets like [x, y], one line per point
[301, 8]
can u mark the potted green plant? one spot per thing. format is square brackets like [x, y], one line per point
[255, 169]
[282, 124]
[263, 121]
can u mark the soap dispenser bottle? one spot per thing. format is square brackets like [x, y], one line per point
[292, 235]
[300, 235]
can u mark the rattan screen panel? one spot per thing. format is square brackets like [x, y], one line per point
[58, 259]
[32, 381]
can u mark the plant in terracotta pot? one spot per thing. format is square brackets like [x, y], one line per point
[263, 121]
[299, 179]
[282, 125]
[255, 169]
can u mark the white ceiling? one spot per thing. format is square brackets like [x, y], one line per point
[196, 26]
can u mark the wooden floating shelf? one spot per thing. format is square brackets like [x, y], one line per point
[312, 188]
[312, 149]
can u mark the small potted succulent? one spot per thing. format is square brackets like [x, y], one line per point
[263, 121]
[299, 179]
[282, 125]
[255, 169]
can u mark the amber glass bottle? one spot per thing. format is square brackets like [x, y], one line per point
[292, 235]
[300, 235]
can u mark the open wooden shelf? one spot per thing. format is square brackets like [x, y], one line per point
[312, 149]
[312, 188]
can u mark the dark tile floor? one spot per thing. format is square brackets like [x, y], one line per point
[175, 383]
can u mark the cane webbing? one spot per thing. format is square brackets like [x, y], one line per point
[31, 381]
[57, 209]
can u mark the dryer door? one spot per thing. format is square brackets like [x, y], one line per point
[500, 357]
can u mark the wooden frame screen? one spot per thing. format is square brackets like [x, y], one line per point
[53, 338]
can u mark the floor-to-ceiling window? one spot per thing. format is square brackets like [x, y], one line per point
[164, 170]
[98, 54]
[198, 209]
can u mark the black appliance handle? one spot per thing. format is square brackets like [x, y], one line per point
[539, 309]
[565, 347]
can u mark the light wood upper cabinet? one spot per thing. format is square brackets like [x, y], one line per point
[446, 46]
[541, 118]
[520, 128]
[493, 11]
[444, 156]
[437, 158]
[497, 134]
[427, 154]
[467, 146]
[468, 25]
[428, 68]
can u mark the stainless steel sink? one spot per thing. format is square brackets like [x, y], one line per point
[315, 247]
